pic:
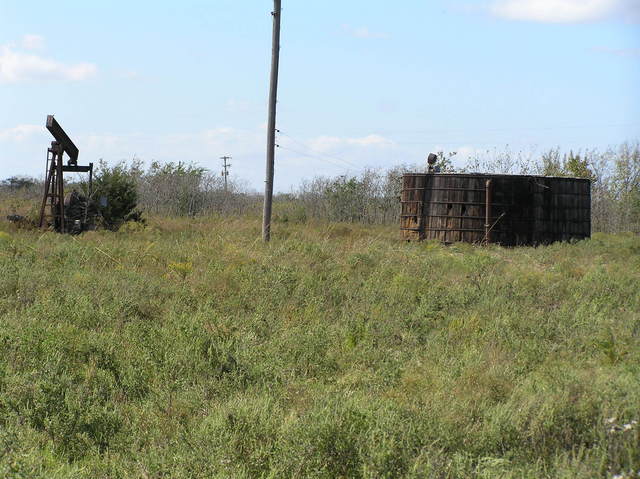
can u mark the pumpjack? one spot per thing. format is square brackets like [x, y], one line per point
[68, 214]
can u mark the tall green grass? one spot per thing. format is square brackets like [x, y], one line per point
[190, 349]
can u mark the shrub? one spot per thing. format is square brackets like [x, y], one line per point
[116, 190]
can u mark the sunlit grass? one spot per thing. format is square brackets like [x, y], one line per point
[191, 349]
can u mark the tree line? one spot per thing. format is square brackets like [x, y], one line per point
[371, 197]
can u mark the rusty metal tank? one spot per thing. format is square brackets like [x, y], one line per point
[510, 210]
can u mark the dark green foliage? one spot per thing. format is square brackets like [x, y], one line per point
[18, 182]
[346, 198]
[118, 186]
[573, 165]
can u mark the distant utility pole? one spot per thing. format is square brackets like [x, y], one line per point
[271, 126]
[225, 171]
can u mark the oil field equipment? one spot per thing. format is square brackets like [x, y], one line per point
[510, 210]
[70, 214]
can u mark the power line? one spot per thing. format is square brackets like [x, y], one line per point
[323, 155]
[315, 157]
[499, 129]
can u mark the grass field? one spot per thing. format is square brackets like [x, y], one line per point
[191, 350]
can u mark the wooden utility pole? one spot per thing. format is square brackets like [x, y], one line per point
[225, 170]
[271, 126]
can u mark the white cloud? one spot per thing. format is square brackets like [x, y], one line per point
[17, 66]
[32, 42]
[20, 132]
[295, 160]
[106, 142]
[620, 52]
[324, 144]
[203, 147]
[558, 11]
[363, 32]
[334, 155]
[370, 140]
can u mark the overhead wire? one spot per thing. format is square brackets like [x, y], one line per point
[312, 154]
[314, 157]
[445, 137]
[505, 129]
[308, 148]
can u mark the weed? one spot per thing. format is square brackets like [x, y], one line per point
[189, 349]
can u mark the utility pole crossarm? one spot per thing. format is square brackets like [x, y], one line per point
[225, 170]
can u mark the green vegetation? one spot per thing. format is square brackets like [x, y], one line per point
[190, 349]
[117, 185]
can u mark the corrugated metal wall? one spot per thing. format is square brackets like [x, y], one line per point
[522, 210]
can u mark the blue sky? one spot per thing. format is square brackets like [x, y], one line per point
[362, 83]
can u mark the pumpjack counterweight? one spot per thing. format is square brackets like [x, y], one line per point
[54, 199]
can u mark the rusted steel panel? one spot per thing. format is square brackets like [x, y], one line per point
[521, 210]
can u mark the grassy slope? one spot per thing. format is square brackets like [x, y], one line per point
[192, 350]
